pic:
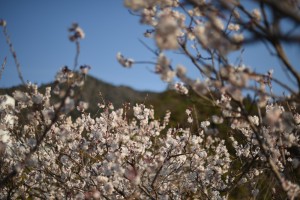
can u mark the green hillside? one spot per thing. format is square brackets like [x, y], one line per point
[94, 91]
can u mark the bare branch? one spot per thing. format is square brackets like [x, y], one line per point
[14, 54]
[2, 67]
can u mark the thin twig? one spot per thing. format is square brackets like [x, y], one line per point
[2, 67]
[76, 55]
[148, 47]
[283, 8]
[281, 54]
[14, 54]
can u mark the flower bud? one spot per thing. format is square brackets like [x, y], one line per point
[2, 22]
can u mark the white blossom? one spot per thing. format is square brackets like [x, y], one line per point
[256, 14]
[125, 62]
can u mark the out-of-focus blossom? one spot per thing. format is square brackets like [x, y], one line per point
[263, 100]
[256, 14]
[64, 75]
[205, 124]
[210, 36]
[21, 96]
[238, 37]
[85, 69]
[6, 101]
[217, 120]
[273, 113]
[190, 119]
[82, 106]
[76, 32]
[132, 175]
[163, 68]
[148, 17]
[188, 111]
[2, 22]
[136, 4]
[125, 62]
[254, 120]
[180, 71]
[233, 27]
[167, 30]
[37, 98]
[181, 88]
[7, 104]
[195, 12]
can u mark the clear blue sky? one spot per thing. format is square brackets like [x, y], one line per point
[38, 29]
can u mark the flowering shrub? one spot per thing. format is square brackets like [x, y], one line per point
[264, 137]
[47, 154]
[112, 157]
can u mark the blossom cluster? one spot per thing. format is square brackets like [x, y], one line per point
[107, 156]
[129, 153]
[265, 136]
[113, 156]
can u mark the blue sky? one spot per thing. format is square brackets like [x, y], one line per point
[38, 30]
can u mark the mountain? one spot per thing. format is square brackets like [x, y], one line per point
[118, 95]
[93, 87]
